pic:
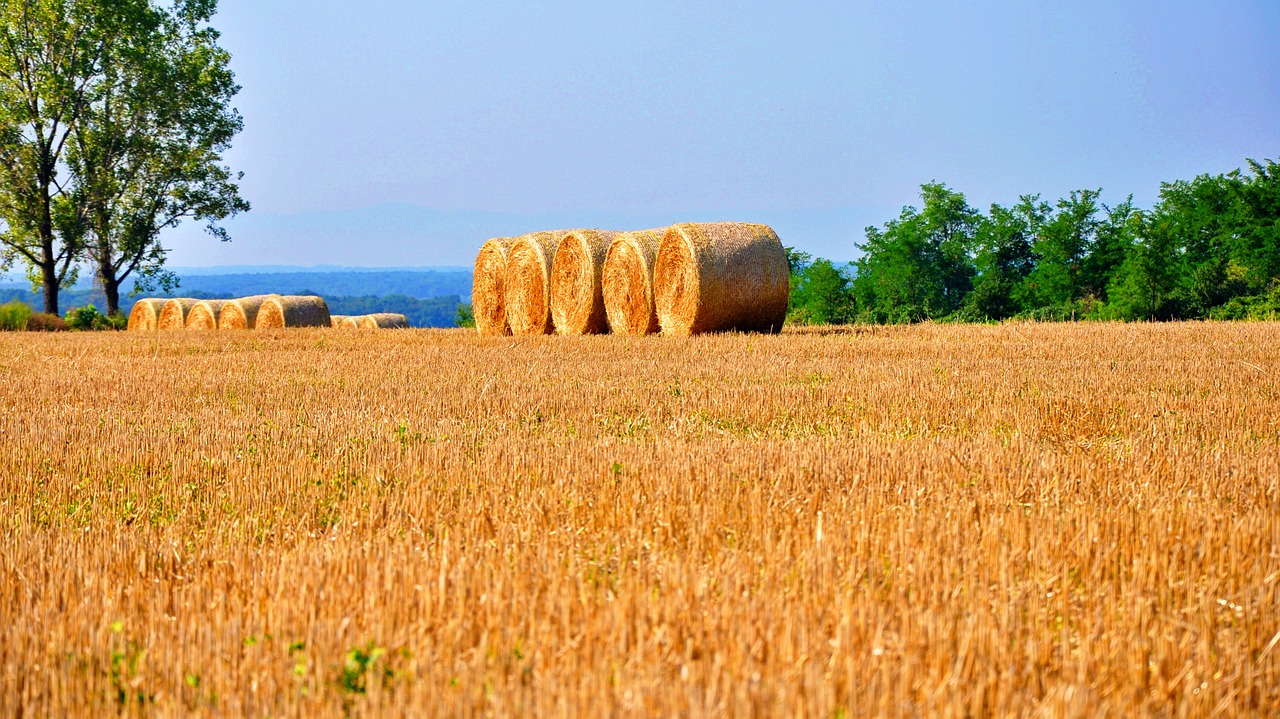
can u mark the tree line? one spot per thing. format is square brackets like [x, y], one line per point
[1209, 248]
[114, 116]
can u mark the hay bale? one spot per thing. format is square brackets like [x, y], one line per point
[721, 276]
[145, 315]
[293, 311]
[351, 322]
[335, 321]
[526, 290]
[385, 321]
[174, 314]
[242, 313]
[577, 299]
[487, 302]
[204, 315]
[628, 282]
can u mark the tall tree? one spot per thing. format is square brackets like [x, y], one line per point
[1005, 239]
[147, 153]
[1061, 247]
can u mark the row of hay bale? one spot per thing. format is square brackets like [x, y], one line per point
[247, 313]
[681, 280]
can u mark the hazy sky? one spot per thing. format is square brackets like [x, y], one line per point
[405, 133]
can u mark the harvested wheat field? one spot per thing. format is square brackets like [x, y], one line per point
[1022, 519]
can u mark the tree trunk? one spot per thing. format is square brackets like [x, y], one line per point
[110, 283]
[49, 276]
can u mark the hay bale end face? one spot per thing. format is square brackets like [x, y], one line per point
[204, 315]
[293, 311]
[335, 321]
[385, 321]
[350, 322]
[174, 314]
[487, 301]
[145, 315]
[527, 282]
[577, 297]
[721, 276]
[627, 277]
[242, 313]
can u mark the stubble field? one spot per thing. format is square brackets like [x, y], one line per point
[1023, 519]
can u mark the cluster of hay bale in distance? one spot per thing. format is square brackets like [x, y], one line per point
[248, 313]
[681, 280]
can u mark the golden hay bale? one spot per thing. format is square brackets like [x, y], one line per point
[721, 276]
[335, 321]
[174, 314]
[384, 320]
[204, 315]
[293, 311]
[526, 290]
[242, 313]
[351, 322]
[145, 315]
[487, 303]
[628, 282]
[577, 300]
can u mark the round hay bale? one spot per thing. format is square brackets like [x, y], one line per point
[335, 321]
[487, 302]
[577, 300]
[242, 313]
[293, 311]
[385, 321]
[526, 290]
[628, 282]
[351, 322]
[720, 276]
[204, 315]
[174, 314]
[145, 315]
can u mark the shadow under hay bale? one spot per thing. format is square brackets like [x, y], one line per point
[721, 276]
[145, 315]
[577, 297]
[487, 301]
[627, 279]
[174, 314]
[293, 311]
[204, 315]
[527, 282]
[241, 313]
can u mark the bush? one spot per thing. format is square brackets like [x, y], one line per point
[89, 318]
[43, 322]
[465, 317]
[14, 316]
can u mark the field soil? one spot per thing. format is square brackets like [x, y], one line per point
[1019, 519]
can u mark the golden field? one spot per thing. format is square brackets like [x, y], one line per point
[1022, 519]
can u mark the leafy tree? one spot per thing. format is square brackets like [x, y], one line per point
[821, 295]
[1005, 238]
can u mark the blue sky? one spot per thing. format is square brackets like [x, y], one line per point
[406, 133]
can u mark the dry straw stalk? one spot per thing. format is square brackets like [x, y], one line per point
[527, 283]
[628, 282]
[293, 311]
[145, 315]
[384, 320]
[174, 314]
[487, 301]
[242, 313]
[204, 315]
[577, 296]
[721, 276]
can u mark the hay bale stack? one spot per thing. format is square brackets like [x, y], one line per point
[293, 311]
[487, 302]
[349, 322]
[628, 282]
[385, 321]
[204, 315]
[577, 298]
[526, 290]
[242, 313]
[145, 315]
[335, 321]
[174, 314]
[721, 276]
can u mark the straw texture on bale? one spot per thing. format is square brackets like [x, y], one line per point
[174, 314]
[145, 315]
[242, 313]
[577, 298]
[628, 282]
[527, 283]
[384, 320]
[335, 321]
[204, 315]
[487, 301]
[349, 322]
[293, 311]
[720, 276]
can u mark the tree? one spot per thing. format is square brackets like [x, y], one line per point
[821, 295]
[147, 153]
[1005, 258]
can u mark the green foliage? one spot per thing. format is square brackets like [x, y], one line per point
[88, 318]
[466, 316]
[14, 316]
[821, 294]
